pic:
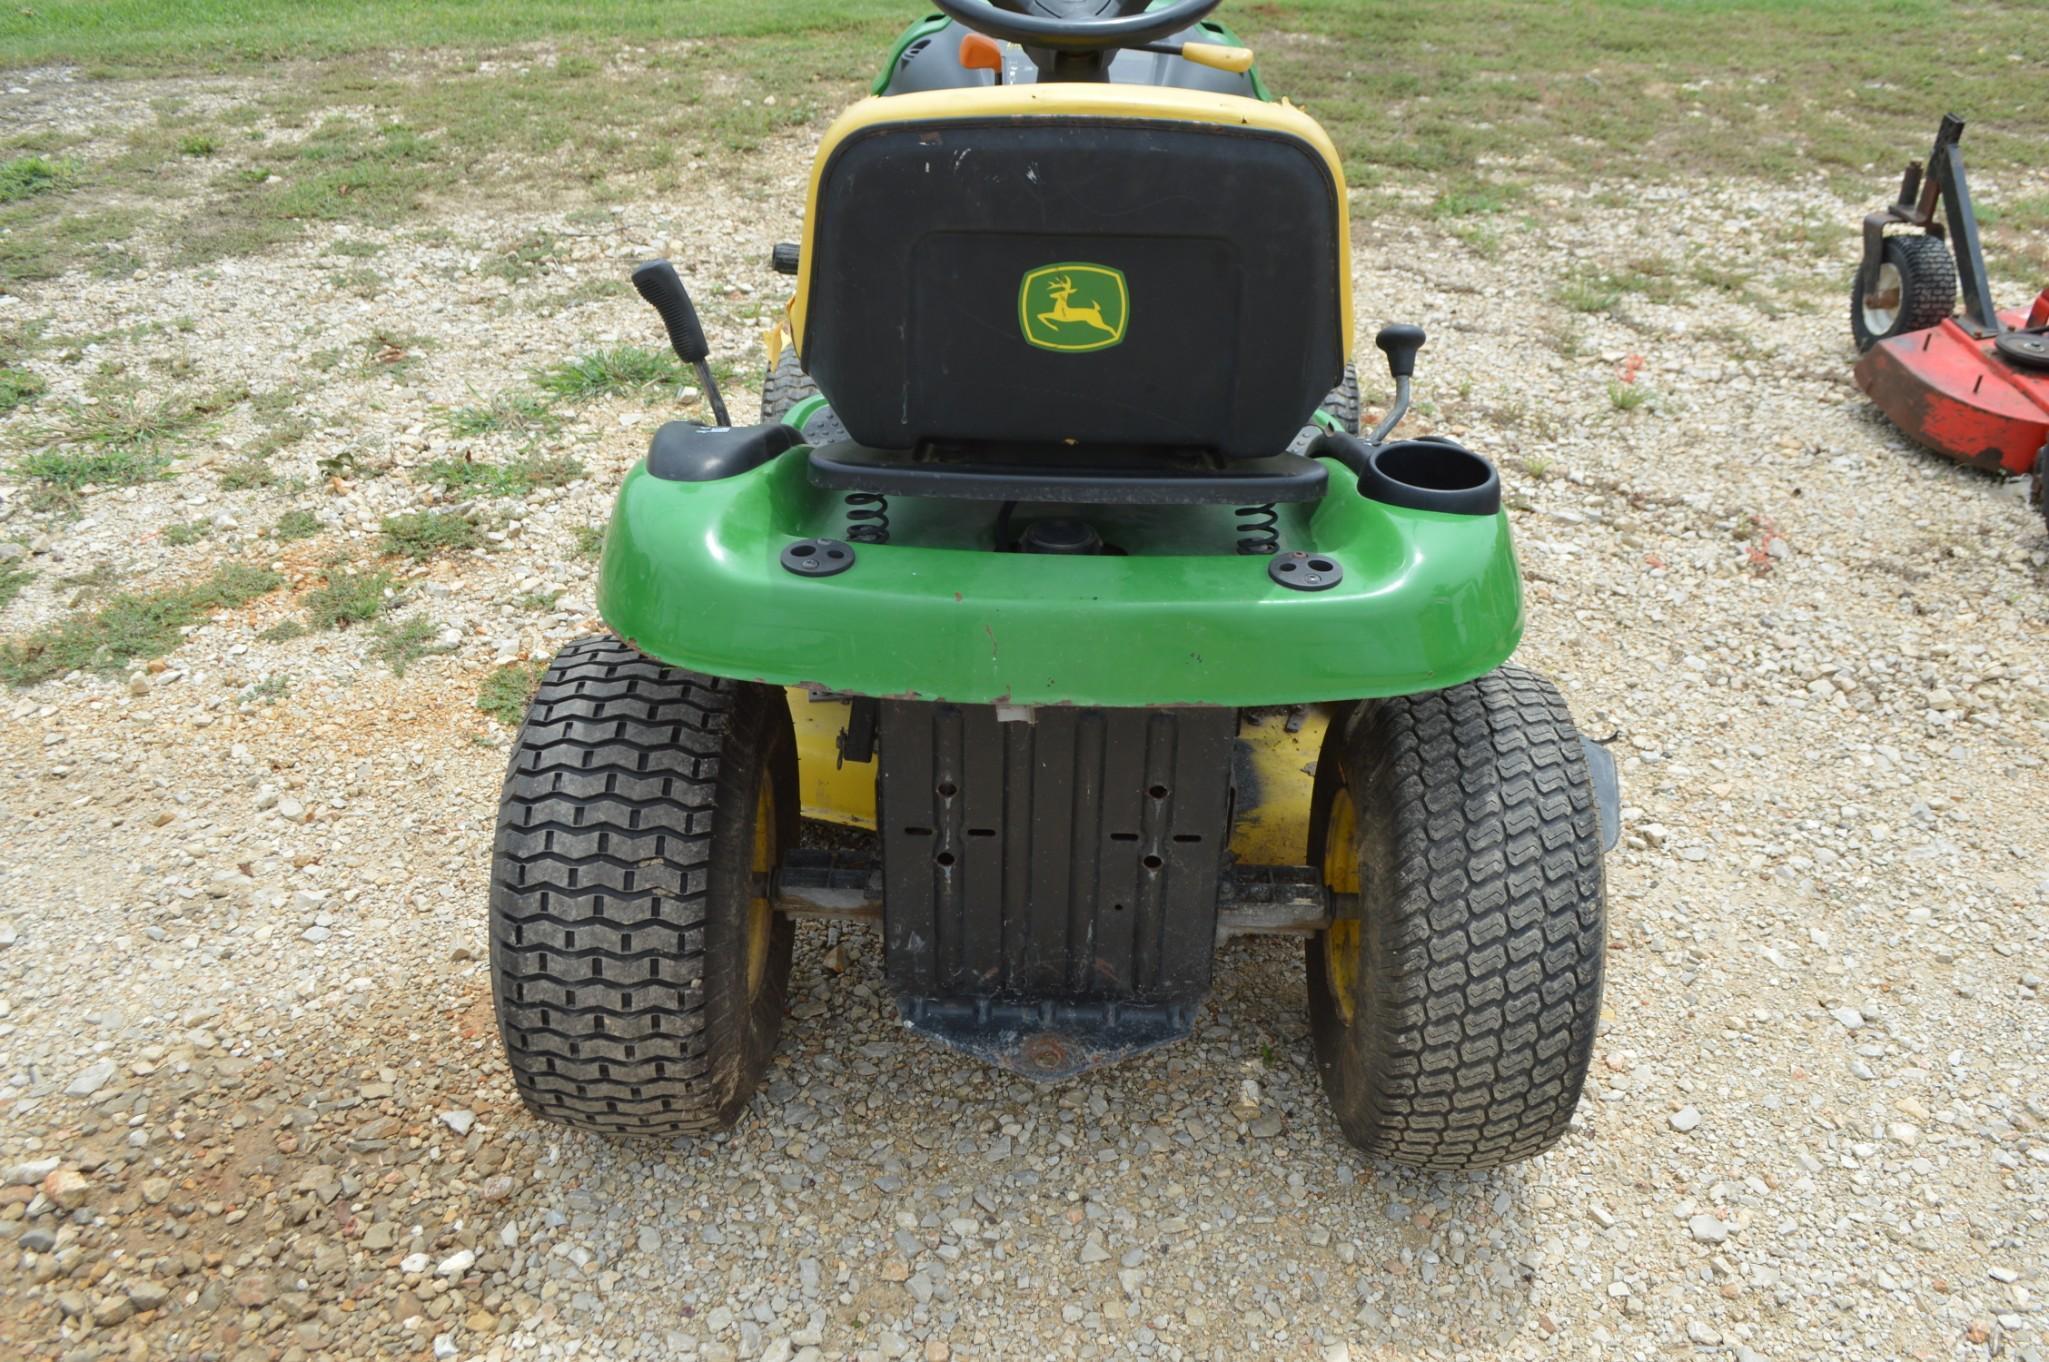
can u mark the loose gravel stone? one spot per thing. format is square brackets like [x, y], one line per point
[91, 1078]
[260, 1031]
[1707, 1229]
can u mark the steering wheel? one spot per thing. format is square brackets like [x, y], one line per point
[1129, 26]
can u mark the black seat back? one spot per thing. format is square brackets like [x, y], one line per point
[1100, 280]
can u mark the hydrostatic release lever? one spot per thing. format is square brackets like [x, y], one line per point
[1400, 342]
[658, 282]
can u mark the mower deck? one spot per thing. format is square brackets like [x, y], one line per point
[1951, 391]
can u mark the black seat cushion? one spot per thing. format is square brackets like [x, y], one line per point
[683, 451]
[1226, 238]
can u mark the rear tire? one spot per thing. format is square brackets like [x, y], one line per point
[1453, 1001]
[1342, 405]
[1917, 288]
[1343, 402]
[786, 385]
[638, 970]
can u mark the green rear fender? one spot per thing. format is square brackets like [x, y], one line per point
[692, 575]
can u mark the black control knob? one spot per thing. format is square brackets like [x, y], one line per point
[658, 282]
[786, 257]
[1401, 342]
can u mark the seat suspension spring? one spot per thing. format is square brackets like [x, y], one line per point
[1257, 529]
[868, 513]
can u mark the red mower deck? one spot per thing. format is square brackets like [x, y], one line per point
[1951, 391]
[1975, 385]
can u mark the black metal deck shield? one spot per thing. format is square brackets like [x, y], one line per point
[1050, 884]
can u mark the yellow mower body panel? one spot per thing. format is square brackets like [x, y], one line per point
[1276, 770]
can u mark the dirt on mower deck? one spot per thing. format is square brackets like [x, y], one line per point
[252, 1104]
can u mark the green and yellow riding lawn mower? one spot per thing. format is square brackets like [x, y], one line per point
[1059, 564]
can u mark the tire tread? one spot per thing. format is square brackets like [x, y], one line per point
[600, 894]
[1476, 1038]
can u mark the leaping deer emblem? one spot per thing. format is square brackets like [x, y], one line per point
[1063, 289]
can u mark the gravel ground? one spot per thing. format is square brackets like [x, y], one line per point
[251, 1101]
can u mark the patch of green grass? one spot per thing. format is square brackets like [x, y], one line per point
[1481, 240]
[401, 643]
[24, 177]
[356, 248]
[589, 291]
[518, 413]
[507, 691]
[40, 240]
[526, 259]
[363, 281]
[137, 35]
[1472, 198]
[129, 626]
[1745, 344]
[420, 535]
[623, 370]
[284, 631]
[347, 598]
[17, 388]
[244, 474]
[295, 524]
[1629, 396]
[129, 420]
[2027, 215]
[344, 171]
[12, 580]
[118, 441]
[274, 404]
[1634, 90]
[1621, 90]
[1589, 293]
[70, 471]
[540, 602]
[253, 468]
[268, 691]
[590, 541]
[197, 144]
[187, 533]
[515, 479]
[346, 463]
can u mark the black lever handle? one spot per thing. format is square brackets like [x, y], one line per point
[658, 282]
[1401, 342]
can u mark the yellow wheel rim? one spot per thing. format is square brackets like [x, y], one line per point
[760, 913]
[1341, 940]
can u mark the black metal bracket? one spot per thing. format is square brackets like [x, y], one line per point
[857, 739]
[1046, 1038]
[1070, 477]
[1252, 900]
[1941, 184]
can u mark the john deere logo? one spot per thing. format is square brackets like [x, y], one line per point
[1075, 308]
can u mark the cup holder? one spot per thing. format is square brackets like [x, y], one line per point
[1431, 475]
